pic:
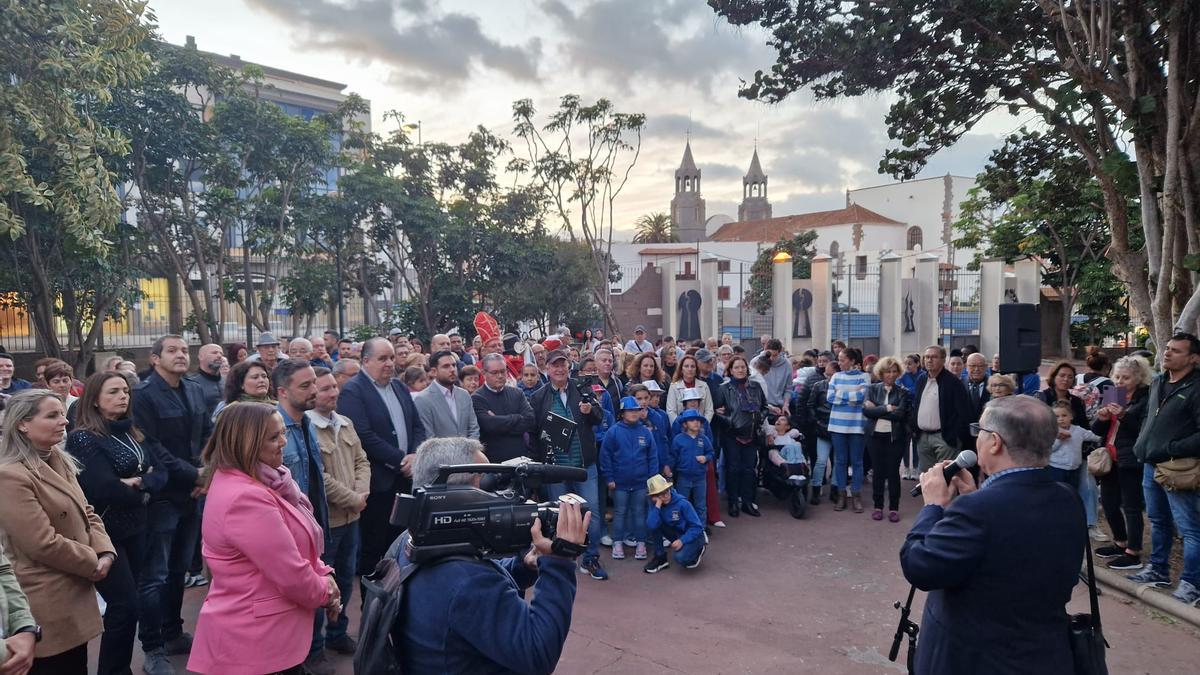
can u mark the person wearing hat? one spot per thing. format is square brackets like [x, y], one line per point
[561, 397]
[691, 456]
[628, 456]
[672, 518]
[656, 420]
[639, 343]
[268, 350]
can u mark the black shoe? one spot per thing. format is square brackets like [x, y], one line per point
[343, 645]
[733, 510]
[815, 497]
[833, 495]
[1126, 562]
[708, 531]
[750, 510]
[1110, 551]
[656, 564]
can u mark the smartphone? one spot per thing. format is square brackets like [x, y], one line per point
[1114, 395]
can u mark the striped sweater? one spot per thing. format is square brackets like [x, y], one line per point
[846, 393]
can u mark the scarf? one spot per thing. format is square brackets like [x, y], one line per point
[244, 397]
[280, 480]
[121, 427]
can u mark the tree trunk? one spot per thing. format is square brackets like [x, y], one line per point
[1067, 298]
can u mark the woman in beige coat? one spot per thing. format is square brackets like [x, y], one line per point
[57, 542]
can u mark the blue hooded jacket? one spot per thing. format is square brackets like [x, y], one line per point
[685, 449]
[662, 437]
[628, 455]
[676, 520]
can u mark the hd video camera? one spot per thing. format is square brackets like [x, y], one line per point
[491, 520]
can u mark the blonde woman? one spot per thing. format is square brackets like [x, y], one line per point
[1000, 386]
[58, 544]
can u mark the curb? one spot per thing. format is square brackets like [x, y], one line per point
[1148, 595]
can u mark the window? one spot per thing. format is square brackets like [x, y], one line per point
[722, 293]
[915, 238]
[723, 266]
[860, 266]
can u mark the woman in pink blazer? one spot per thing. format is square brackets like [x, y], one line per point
[264, 550]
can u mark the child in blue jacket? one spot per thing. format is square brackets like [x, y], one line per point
[657, 422]
[627, 458]
[691, 453]
[673, 518]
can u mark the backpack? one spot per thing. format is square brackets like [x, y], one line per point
[1092, 394]
[383, 598]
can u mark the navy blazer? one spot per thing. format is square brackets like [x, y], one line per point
[999, 565]
[362, 404]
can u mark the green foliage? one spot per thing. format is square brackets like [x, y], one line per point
[59, 61]
[655, 228]
[800, 247]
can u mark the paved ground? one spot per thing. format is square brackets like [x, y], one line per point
[779, 595]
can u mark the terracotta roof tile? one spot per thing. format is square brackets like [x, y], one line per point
[774, 229]
[667, 250]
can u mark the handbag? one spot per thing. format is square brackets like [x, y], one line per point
[1085, 634]
[1100, 461]
[1179, 474]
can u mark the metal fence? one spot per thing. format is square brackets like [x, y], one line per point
[744, 324]
[855, 311]
[958, 307]
[150, 317]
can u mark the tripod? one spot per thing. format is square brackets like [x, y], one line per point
[906, 627]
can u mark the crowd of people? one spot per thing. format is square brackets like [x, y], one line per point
[275, 469]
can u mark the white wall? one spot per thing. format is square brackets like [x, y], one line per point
[920, 202]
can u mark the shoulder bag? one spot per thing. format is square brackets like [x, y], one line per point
[1178, 474]
[1100, 461]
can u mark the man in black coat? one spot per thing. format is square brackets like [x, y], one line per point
[504, 414]
[941, 411]
[170, 410]
[999, 562]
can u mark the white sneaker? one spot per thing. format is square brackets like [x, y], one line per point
[719, 523]
[606, 540]
[618, 551]
[1096, 535]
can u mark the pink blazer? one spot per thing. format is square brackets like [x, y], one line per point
[265, 558]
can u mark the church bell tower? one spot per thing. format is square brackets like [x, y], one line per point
[754, 204]
[687, 206]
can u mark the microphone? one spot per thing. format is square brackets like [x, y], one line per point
[965, 460]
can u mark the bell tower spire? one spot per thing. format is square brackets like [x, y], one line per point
[754, 204]
[687, 206]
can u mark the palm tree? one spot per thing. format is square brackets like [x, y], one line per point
[655, 228]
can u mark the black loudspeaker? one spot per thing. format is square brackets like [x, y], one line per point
[1020, 338]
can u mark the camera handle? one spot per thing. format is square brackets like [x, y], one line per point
[905, 627]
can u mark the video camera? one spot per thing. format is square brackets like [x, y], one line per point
[491, 520]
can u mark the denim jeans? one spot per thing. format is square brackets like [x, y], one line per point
[848, 451]
[119, 590]
[684, 556]
[588, 490]
[170, 541]
[694, 490]
[341, 553]
[1089, 493]
[823, 449]
[629, 514]
[1167, 511]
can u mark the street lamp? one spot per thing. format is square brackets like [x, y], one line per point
[410, 126]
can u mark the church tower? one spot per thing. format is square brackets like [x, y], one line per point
[754, 204]
[687, 207]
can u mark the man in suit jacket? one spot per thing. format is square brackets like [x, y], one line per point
[998, 562]
[446, 410]
[941, 411]
[387, 423]
[975, 378]
[504, 414]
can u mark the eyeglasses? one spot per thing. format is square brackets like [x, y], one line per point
[975, 429]
[495, 372]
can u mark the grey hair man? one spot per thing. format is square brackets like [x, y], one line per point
[300, 348]
[345, 369]
[438, 452]
[1020, 596]
[504, 414]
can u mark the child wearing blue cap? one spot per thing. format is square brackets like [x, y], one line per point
[691, 453]
[628, 457]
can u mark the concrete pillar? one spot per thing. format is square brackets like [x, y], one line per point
[709, 317]
[991, 295]
[891, 318]
[781, 299]
[1029, 281]
[927, 316]
[670, 299]
[822, 307]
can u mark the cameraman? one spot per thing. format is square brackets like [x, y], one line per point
[467, 616]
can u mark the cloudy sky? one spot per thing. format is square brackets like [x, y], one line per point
[455, 64]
